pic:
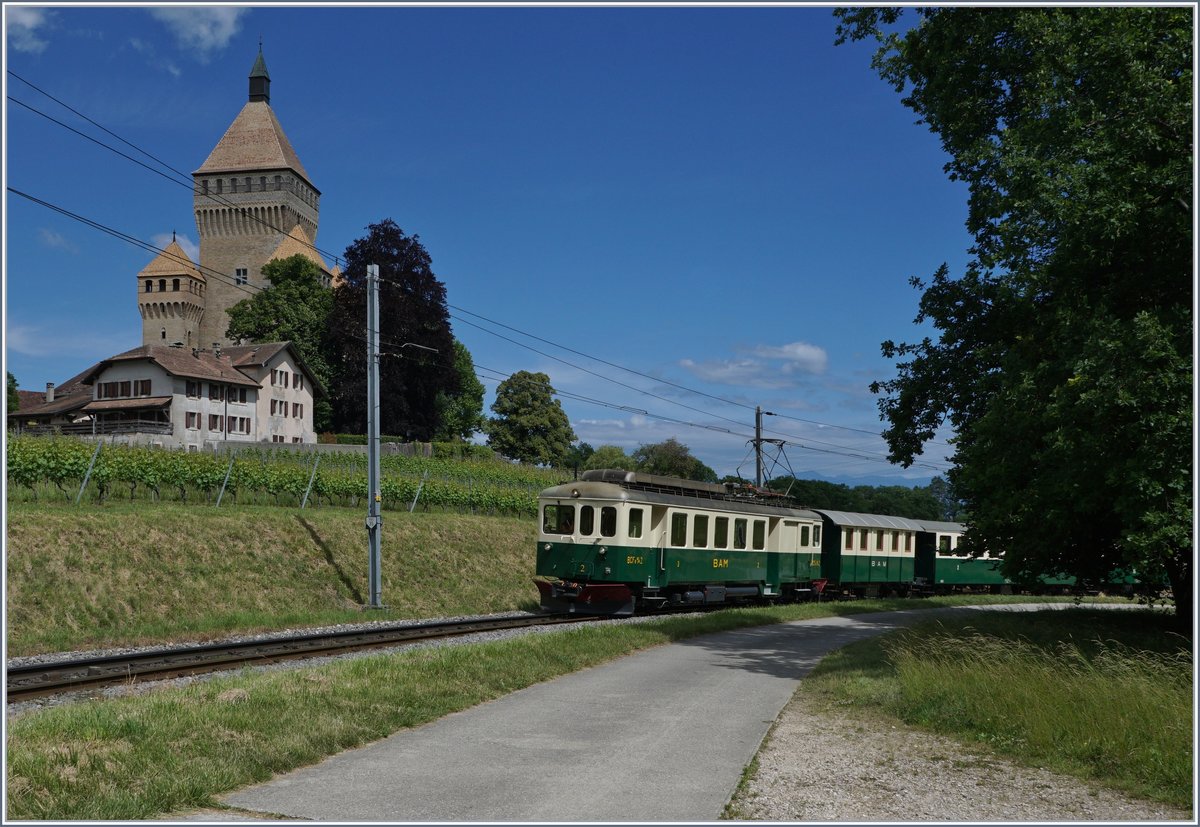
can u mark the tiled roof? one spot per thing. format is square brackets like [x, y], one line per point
[179, 361]
[243, 356]
[172, 261]
[128, 404]
[254, 141]
[297, 242]
[63, 402]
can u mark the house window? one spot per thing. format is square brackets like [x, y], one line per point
[297, 439]
[297, 411]
[273, 375]
[240, 275]
[297, 381]
[141, 387]
[278, 182]
[233, 185]
[214, 422]
[237, 395]
[220, 186]
[262, 183]
[126, 388]
[216, 392]
[283, 377]
[163, 334]
[193, 390]
[204, 186]
[193, 420]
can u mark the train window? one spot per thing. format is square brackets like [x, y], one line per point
[558, 519]
[862, 538]
[635, 522]
[944, 543]
[816, 535]
[849, 539]
[907, 541]
[721, 532]
[587, 520]
[678, 529]
[879, 539]
[760, 535]
[739, 533]
[895, 541]
[608, 521]
[700, 531]
[803, 536]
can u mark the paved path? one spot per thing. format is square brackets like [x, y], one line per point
[662, 735]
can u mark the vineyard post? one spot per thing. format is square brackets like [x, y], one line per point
[420, 485]
[88, 475]
[228, 471]
[313, 476]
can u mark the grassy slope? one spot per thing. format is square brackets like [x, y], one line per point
[97, 576]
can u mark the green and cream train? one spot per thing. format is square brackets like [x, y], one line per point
[616, 542]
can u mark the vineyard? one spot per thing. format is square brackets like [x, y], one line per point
[56, 467]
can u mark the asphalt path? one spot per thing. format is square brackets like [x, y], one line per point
[661, 735]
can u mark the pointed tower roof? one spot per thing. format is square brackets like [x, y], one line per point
[172, 261]
[255, 140]
[297, 242]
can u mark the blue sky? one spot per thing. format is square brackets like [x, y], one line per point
[716, 198]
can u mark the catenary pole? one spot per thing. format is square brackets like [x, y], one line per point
[374, 495]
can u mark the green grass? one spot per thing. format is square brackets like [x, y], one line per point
[1105, 696]
[120, 574]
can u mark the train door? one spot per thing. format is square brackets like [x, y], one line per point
[788, 549]
[659, 529]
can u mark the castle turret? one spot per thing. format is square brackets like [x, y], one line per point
[171, 294]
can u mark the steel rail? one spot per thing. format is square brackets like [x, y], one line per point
[41, 679]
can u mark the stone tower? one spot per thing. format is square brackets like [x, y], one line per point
[253, 200]
[171, 294]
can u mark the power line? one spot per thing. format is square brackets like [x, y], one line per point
[184, 180]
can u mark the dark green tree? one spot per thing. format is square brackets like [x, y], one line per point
[530, 424]
[672, 459]
[412, 311]
[610, 456]
[294, 308]
[461, 414]
[579, 454]
[14, 398]
[1063, 355]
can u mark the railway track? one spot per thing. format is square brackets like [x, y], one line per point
[36, 680]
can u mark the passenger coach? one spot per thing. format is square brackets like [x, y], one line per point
[616, 541]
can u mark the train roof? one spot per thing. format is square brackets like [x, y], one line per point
[849, 518]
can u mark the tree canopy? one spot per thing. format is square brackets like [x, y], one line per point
[294, 308]
[14, 399]
[460, 413]
[412, 311]
[1063, 352]
[672, 459]
[530, 424]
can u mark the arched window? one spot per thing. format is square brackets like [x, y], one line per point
[278, 182]
[262, 183]
[220, 186]
[162, 285]
[164, 333]
[149, 286]
[175, 285]
[205, 185]
[233, 185]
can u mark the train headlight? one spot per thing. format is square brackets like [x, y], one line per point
[603, 551]
[545, 546]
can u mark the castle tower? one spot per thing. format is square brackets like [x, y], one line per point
[171, 293]
[250, 195]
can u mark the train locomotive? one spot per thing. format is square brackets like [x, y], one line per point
[619, 542]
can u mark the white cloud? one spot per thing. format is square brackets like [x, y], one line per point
[22, 28]
[797, 356]
[202, 30]
[56, 240]
[162, 240]
[738, 372]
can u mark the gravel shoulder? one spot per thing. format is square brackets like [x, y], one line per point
[831, 765]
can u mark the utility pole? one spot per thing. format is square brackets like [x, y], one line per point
[758, 441]
[374, 493]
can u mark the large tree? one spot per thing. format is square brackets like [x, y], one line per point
[412, 311]
[13, 400]
[1063, 356]
[294, 308]
[672, 459]
[460, 413]
[530, 424]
